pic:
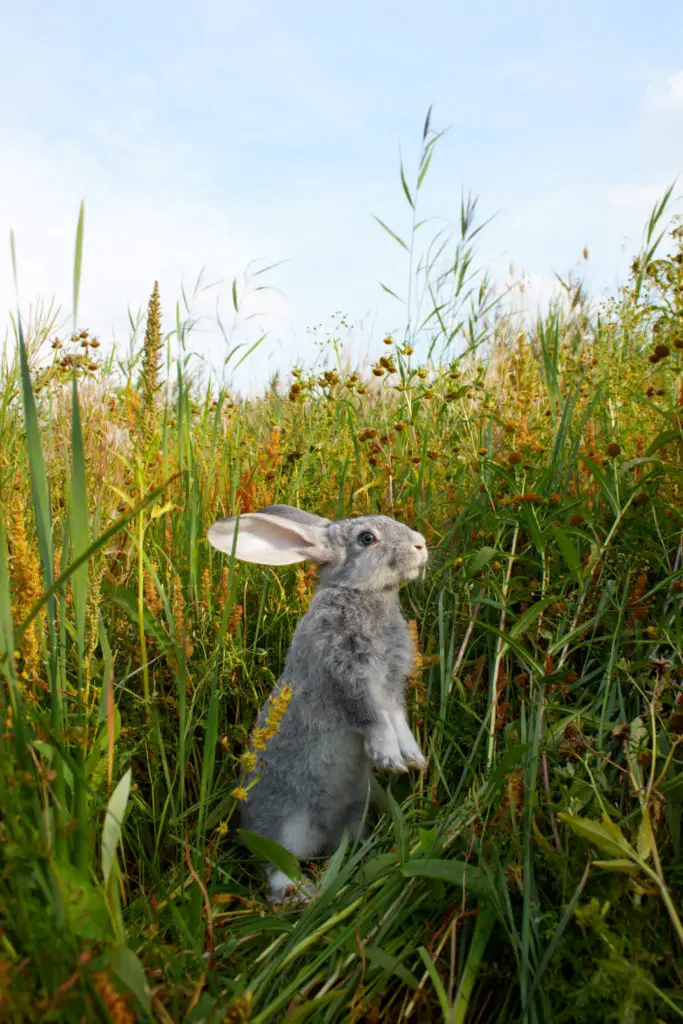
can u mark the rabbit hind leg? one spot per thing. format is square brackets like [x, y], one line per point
[302, 839]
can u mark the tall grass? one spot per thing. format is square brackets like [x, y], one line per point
[533, 872]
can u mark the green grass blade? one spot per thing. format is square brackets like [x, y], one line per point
[78, 261]
[80, 528]
[39, 485]
[92, 548]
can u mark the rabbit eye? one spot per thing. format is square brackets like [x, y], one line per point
[366, 539]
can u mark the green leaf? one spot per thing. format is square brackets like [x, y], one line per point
[7, 643]
[646, 839]
[400, 827]
[530, 616]
[49, 751]
[423, 170]
[78, 259]
[483, 926]
[13, 257]
[204, 1011]
[602, 483]
[85, 910]
[99, 747]
[126, 599]
[605, 835]
[272, 852]
[428, 839]
[113, 822]
[436, 982]
[252, 348]
[392, 233]
[373, 867]
[304, 1010]
[39, 485]
[209, 758]
[568, 551]
[510, 759]
[626, 867]
[126, 965]
[406, 190]
[534, 667]
[388, 290]
[617, 835]
[335, 862]
[455, 872]
[80, 538]
[663, 439]
[380, 958]
[480, 559]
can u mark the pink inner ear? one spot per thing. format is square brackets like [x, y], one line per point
[271, 548]
[265, 540]
[272, 543]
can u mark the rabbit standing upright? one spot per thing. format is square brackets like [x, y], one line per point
[347, 665]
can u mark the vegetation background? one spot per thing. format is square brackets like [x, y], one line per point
[533, 871]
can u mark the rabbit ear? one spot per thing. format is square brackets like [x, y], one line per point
[270, 540]
[296, 515]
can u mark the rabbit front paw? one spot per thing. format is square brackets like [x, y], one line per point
[410, 751]
[383, 750]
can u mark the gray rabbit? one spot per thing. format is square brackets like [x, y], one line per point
[347, 665]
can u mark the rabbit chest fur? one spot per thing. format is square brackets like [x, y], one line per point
[348, 662]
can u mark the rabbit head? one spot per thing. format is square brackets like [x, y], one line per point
[367, 552]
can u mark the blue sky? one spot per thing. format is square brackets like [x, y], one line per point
[209, 134]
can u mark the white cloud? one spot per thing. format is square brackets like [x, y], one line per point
[165, 226]
[163, 201]
[131, 237]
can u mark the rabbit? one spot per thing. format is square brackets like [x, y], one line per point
[347, 665]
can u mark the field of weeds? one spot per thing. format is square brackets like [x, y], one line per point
[533, 872]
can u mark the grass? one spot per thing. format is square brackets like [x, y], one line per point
[533, 872]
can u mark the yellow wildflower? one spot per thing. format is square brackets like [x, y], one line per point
[114, 1002]
[248, 760]
[277, 707]
[28, 587]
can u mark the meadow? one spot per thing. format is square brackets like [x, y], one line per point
[533, 872]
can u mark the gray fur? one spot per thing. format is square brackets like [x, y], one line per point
[296, 515]
[347, 665]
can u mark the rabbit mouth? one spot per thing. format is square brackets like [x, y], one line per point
[417, 571]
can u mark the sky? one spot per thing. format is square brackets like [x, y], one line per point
[204, 136]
